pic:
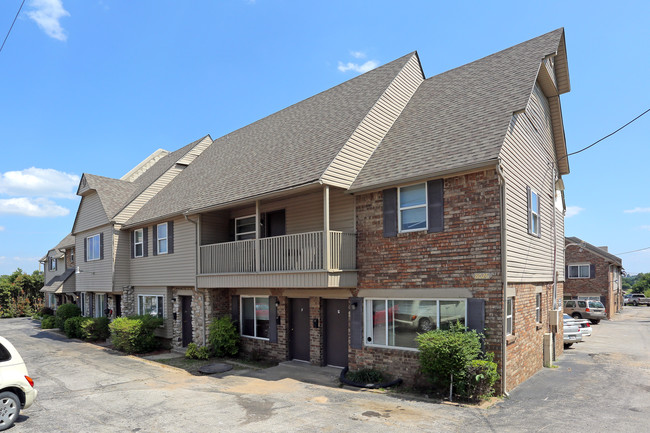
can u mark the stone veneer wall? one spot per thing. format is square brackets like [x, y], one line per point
[129, 304]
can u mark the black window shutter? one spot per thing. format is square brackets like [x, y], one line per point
[133, 244]
[390, 212]
[145, 241]
[155, 240]
[85, 249]
[476, 317]
[592, 271]
[273, 324]
[528, 218]
[435, 211]
[161, 310]
[170, 237]
[101, 246]
[566, 272]
[356, 323]
[235, 310]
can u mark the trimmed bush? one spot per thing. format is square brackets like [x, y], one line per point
[48, 322]
[95, 329]
[73, 326]
[195, 352]
[481, 376]
[444, 353]
[135, 334]
[223, 337]
[64, 312]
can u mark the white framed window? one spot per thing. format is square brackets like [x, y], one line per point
[138, 243]
[52, 264]
[579, 271]
[151, 304]
[533, 213]
[254, 317]
[93, 247]
[394, 323]
[161, 234]
[538, 308]
[510, 304]
[52, 300]
[245, 228]
[100, 304]
[412, 203]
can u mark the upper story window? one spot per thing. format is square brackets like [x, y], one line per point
[161, 238]
[534, 227]
[245, 228]
[52, 263]
[579, 271]
[93, 247]
[138, 243]
[72, 256]
[413, 207]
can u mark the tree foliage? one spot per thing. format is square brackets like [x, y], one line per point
[639, 283]
[20, 293]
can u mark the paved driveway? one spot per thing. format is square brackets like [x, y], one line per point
[601, 385]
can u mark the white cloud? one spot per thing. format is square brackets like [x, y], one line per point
[358, 54]
[572, 211]
[2, 229]
[638, 210]
[645, 227]
[39, 182]
[33, 207]
[47, 13]
[369, 65]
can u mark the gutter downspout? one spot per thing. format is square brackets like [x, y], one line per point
[504, 275]
[196, 270]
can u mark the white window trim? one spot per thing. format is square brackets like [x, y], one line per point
[141, 304]
[237, 235]
[89, 247]
[159, 238]
[52, 263]
[532, 211]
[135, 242]
[241, 317]
[538, 307]
[425, 206]
[99, 312]
[368, 313]
[578, 265]
[510, 321]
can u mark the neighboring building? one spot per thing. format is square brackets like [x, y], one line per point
[593, 273]
[59, 275]
[336, 229]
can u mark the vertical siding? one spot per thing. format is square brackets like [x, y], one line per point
[177, 269]
[355, 153]
[167, 331]
[528, 148]
[91, 214]
[97, 275]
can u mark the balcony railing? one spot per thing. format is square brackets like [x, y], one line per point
[299, 252]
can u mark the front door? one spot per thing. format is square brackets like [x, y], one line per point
[118, 306]
[274, 224]
[299, 329]
[186, 319]
[336, 332]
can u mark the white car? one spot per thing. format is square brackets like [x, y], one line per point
[572, 332]
[584, 324]
[16, 387]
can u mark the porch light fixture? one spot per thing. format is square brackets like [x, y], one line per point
[277, 303]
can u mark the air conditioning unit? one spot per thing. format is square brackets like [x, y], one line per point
[555, 317]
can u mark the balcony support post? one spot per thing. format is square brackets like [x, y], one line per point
[257, 236]
[326, 228]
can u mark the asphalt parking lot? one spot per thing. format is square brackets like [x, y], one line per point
[599, 385]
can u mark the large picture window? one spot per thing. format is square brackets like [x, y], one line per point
[413, 207]
[255, 317]
[93, 247]
[150, 305]
[579, 271]
[396, 322]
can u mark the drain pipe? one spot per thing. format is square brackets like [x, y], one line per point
[196, 270]
[504, 274]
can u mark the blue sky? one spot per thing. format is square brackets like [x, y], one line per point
[96, 86]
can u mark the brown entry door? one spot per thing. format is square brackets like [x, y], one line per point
[336, 332]
[299, 329]
[186, 319]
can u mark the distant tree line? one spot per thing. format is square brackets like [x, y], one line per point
[639, 283]
[20, 293]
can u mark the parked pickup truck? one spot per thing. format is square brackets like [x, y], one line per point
[636, 299]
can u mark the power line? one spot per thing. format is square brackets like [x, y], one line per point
[635, 251]
[12, 25]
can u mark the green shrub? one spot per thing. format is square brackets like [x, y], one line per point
[46, 311]
[64, 312]
[447, 352]
[366, 375]
[135, 334]
[96, 329]
[223, 337]
[48, 322]
[73, 326]
[481, 376]
[196, 352]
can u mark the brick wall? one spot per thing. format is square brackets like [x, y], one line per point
[601, 284]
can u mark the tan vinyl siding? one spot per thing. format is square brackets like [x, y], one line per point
[196, 151]
[214, 227]
[96, 275]
[318, 279]
[148, 193]
[122, 248]
[91, 214]
[355, 153]
[528, 148]
[60, 265]
[177, 269]
[550, 68]
[167, 330]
